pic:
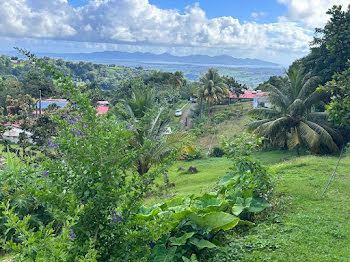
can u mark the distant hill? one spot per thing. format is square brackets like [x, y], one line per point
[109, 56]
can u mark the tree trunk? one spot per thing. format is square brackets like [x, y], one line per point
[208, 109]
[297, 150]
[200, 107]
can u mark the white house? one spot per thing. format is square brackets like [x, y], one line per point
[13, 132]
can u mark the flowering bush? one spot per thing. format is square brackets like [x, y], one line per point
[94, 180]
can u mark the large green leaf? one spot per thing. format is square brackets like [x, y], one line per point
[258, 205]
[164, 255]
[214, 221]
[173, 202]
[228, 179]
[208, 203]
[179, 241]
[193, 258]
[200, 244]
[148, 212]
[239, 206]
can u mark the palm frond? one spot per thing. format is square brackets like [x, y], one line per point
[254, 125]
[314, 98]
[325, 138]
[309, 137]
[308, 86]
[293, 138]
[318, 116]
[274, 128]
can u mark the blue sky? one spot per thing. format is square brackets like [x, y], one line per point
[272, 30]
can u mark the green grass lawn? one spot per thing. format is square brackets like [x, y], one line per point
[300, 226]
[306, 228]
[210, 170]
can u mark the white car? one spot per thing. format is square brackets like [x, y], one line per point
[178, 112]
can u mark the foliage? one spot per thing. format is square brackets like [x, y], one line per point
[95, 174]
[234, 86]
[41, 244]
[192, 155]
[299, 219]
[217, 152]
[293, 122]
[149, 121]
[212, 88]
[330, 49]
[339, 107]
[195, 222]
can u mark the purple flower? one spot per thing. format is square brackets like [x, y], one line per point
[79, 132]
[73, 129]
[150, 181]
[129, 127]
[50, 140]
[45, 173]
[71, 121]
[72, 234]
[117, 217]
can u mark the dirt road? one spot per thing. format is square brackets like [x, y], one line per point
[185, 119]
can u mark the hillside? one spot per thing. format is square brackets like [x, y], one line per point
[163, 58]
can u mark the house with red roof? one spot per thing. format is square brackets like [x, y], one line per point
[102, 107]
[259, 98]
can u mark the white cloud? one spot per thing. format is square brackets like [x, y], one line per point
[256, 15]
[311, 12]
[137, 22]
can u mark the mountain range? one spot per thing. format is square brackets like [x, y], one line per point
[109, 56]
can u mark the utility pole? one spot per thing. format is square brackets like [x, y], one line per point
[40, 102]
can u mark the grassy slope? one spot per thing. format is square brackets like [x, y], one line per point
[309, 229]
[301, 228]
[227, 128]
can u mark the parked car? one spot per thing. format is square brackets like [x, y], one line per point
[193, 100]
[178, 112]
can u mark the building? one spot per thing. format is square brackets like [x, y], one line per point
[258, 98]
[102, 107]
[13, 132]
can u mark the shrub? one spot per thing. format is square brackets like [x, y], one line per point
[217, 152]
[195, 223]
[95, 180]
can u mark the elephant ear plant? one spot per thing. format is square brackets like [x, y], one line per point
[95, 180]
[195, 223]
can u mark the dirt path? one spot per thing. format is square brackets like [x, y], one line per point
[185, 119]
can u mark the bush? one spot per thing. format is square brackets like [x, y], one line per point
[193, 155]
[217, 152]
[95, 181]
[196, 223]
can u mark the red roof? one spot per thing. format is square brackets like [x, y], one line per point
[102, 109]
[249, 94]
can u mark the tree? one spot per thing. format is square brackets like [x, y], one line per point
[339, 107]
[235, 87]
[149, 122]
[34, 82]
[330, 49]
[213, 87]
[293, 122]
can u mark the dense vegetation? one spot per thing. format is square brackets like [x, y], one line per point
[101, 187]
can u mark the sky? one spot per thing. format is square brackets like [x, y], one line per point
[273, 30]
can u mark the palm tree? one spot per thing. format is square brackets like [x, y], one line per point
[292, 122]
[213, 87]
[149, 122]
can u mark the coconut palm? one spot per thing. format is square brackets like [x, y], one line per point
[149, 122]
[213, 87]
[292, 122]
